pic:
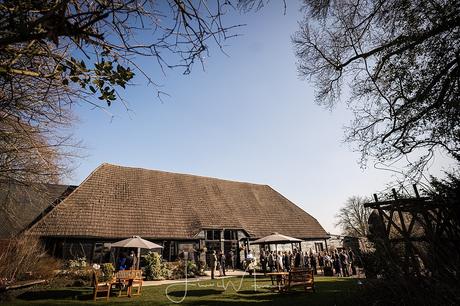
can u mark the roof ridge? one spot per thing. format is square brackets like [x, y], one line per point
[183, 174]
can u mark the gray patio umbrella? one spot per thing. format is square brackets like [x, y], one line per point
[276, 239]
[136, 242]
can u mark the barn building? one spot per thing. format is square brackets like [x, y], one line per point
[178, 211]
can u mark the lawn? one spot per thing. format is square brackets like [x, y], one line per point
[229, 291]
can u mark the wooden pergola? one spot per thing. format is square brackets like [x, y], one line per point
[420, 226]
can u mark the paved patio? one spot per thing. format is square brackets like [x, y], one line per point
[200, 278]
[360, 274]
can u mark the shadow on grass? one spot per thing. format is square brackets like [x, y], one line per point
[343, 285]
[196, 292]
[250, 292]
[65, 294]
[328, 292]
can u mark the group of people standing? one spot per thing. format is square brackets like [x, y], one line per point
[127, 262]
[271, 261]
[339, 262]
[218, 261]
[342, 261]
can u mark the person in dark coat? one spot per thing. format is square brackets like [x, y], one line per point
[131, 260]
[263, 261]
[213, 263]
[122, 262]
[290, 260]
[313, 263]
[271, 261]
[222, 264]
[286, 262]
[296, 259]
[321, 261]
[306, 259]
[337, 265]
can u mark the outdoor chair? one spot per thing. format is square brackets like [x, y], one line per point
[137, 282]
[99, 287]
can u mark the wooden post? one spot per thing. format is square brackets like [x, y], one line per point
[222, 240]
[247, 244]
[170, 246]
[416, 191]
[53, 252]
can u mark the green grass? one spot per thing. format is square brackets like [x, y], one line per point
[229, 291]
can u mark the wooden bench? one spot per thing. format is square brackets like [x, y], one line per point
[126, 280]
[301, 277]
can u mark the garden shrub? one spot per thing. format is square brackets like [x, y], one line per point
[201, 267]
[154, 268]
[77, 264]
[76, 273]
[107, 270]
[372, 264]
[180, 268]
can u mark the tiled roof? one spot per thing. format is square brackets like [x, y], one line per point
[21, 204]
[118, 202]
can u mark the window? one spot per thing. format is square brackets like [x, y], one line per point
[319, 247]
[98, 252]
[230, 235]
[213, 235]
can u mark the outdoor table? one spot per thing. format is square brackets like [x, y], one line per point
[280, 279]
[125, 279]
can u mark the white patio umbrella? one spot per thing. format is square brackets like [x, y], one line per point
[136, 242]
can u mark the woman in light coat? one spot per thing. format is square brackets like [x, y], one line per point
[279, 261]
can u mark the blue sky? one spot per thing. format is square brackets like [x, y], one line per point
[247, 117]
